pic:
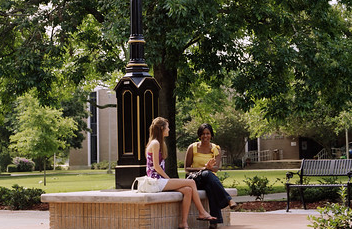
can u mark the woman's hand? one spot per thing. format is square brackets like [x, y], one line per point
[211, 163]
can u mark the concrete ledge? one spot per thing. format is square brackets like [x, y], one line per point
[112, 196]
[120, 196]
[123, 209]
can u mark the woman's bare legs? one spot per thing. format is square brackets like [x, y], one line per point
[186, 203]
[175, 184]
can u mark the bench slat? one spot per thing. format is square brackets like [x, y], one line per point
[317, 185]
[333, 167]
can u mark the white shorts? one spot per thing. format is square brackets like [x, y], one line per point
[162, 183]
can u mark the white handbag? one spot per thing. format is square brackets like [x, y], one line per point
[146, 184]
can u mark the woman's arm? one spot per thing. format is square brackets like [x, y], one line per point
[214, 163]
[154, 147]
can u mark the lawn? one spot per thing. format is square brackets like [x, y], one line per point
[88, 180]
[62, 181]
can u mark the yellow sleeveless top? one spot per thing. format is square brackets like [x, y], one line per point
[200, 159]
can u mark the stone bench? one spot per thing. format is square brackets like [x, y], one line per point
[123, 209]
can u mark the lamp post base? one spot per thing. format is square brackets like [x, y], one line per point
[125, 175]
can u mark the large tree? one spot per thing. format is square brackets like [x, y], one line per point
[299, 57]
[287, 52]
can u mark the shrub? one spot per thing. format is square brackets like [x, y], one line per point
[22, 198]
[317, 193]
[4, 195]
[333, 215]
[180, 164]
[103, 165]
[11, 168]
[94, 166]
[234, 184]
[258, 186]
[23, 164]
[223, 176]
[39, 163]
[5, 158]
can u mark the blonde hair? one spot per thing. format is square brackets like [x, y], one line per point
[156, 130]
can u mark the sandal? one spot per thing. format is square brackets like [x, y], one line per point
[213, 226]
[208, 218]
[233, 205]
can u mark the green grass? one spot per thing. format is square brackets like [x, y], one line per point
[63, 181]
[89, 180]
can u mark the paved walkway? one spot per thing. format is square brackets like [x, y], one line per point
[295, 219]
[24, 219]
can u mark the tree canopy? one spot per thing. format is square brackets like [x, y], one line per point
[293, 55]
[40, 131]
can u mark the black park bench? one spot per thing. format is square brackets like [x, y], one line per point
[323, 167]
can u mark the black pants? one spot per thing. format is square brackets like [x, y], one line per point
[217, 195]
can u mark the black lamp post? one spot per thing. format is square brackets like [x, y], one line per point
[137, 96]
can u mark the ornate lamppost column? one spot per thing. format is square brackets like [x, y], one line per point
[137, 96]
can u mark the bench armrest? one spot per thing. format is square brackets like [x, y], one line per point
[289, 175]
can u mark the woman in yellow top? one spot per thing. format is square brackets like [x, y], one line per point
[205, 156]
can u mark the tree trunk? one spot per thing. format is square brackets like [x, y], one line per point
[167, 109]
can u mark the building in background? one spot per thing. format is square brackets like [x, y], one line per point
[98, 144]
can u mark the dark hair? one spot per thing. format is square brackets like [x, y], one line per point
[203, 127]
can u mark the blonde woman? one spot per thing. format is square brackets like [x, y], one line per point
[156, 153]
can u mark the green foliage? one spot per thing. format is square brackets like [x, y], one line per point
[307, 62]
[231, 167]
[317, 193]
[23, 164]
[41, 131]
[21, 198]
[258, 186]
[180, 164]
[5, 159]
[333, 215]
[75, 107]
[104, 165]
[295, 56]
[215, 106]
[234, 184]
[231, 132]
[223, 176]
[11, 168]
[343, 119]
[40, 161]
[4, 195]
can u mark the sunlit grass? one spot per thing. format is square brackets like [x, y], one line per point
[63, 182]
[89, 180]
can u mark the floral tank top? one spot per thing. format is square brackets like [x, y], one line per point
[151, 172]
